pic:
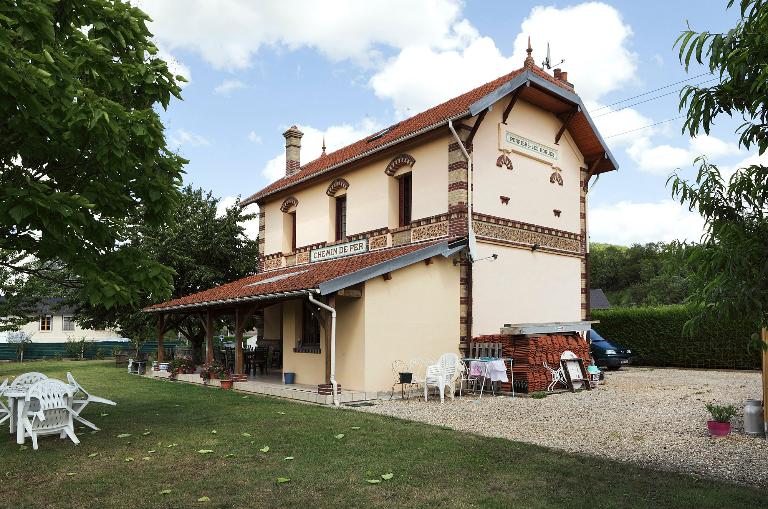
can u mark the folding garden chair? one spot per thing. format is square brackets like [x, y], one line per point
[5, 412]
[79, 404]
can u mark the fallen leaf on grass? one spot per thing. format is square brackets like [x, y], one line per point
[265, 449]
[22, 447]
[104, 415]
[288, 458]
[230, 455]
[203, 499]
[355, 427]
[128, 460]
[373, 481]
[282, 480]
[70, 473]
[123, 435]
[146, 458]
[388, 476]
[93, 455]
[165, 492]
[339, 436]
[205, 451]
[146, 433]
[246, 434]
[245, 397]
[281, 413]
[171, 445]
[213, 432]
[152, 451]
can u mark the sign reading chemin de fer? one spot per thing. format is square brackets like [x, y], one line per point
[339, 250]
[509, 141]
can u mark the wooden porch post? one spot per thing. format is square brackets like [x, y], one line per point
[160, 334]
[208, 336]
[240, 317]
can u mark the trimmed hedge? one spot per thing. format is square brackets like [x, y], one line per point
[655, 336]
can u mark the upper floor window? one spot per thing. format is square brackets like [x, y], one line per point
[67, 323]
[405, 198]
[45, 323]
[341, 217]
[292, 231]
[289, 224]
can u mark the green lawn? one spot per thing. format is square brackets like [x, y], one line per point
[431, 466]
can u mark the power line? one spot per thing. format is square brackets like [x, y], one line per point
[644, 127]
[645, 100]
[652, 91]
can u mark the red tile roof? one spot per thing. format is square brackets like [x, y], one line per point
[295, 278]
[458, 106]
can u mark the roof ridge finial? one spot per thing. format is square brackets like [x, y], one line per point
[323, 146]
[529, 59]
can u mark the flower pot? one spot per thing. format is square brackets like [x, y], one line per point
[289, 378]
[226, 384]
[719, 429]
[406, 378]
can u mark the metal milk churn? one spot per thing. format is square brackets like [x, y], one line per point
[753, 418]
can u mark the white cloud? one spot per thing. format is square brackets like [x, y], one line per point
[611, 122]
[181, 137]
[176, 67]
[254, 138]
[592, 38]
[664, 159]
[228, 86]
[627, 222]
[228, 33]
[311, 144]
[251, 226]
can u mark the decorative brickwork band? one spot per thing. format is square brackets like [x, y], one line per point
[289, 203]
[336, 186]
[398, 162]
[583, 183]
[504, 160]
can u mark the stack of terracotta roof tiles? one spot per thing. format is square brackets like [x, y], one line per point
[530, 353]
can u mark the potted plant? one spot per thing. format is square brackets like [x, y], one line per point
[720, 425]
[406, 377]
[211, 370]
[225, 379]
[183, 365]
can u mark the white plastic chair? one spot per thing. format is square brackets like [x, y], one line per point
[53, 399]
[27, 380]
[442, 375]
[79, 404]
[558, 376]
[5, 412]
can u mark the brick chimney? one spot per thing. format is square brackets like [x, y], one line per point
[292, 150]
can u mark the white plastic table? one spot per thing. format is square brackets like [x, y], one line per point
[15, 404]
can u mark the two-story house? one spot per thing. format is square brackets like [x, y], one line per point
[442, 227]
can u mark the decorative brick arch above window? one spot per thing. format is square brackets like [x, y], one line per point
[289, 203]
[504, 160]
[398, 162]
[336, 186]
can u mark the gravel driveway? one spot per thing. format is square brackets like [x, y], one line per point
[653, 417]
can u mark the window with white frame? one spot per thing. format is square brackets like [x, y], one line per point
[67, 323]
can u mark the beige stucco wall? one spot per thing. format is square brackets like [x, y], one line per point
[273, 322]
[413, 315]
[369, 205]
[309, 367]
[58, 335]
[523, 286]
[532, 196]
[350, 342]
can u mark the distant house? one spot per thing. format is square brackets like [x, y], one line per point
[598, 300]
[53, 322]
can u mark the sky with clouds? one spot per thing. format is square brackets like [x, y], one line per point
[342, 69]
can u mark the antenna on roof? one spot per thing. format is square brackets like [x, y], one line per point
[548, 61]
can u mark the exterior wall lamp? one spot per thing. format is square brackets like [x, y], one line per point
[535, 246]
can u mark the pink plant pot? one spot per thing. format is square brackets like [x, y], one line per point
[719, 429]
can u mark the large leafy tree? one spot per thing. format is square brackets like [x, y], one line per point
[83, 156]
[204, 247]
[731, 262]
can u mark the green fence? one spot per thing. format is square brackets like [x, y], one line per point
[655, 335]
[38, 351]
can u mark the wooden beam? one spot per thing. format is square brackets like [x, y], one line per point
[349, 292]
[512, 101]
[592, 168]
[239, 322]
[428, 261]
[475, 127]
[387, 276]
[208, 326]
[567, 121]
[160, 333]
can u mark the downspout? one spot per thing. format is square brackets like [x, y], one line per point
[333, 343]
[470, 230]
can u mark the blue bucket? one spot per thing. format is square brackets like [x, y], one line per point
[289, 378]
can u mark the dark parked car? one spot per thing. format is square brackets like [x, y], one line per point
[607, 354]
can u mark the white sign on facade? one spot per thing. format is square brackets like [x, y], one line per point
[339, 250]
[511, 142]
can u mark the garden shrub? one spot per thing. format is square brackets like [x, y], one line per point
[655, 336]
